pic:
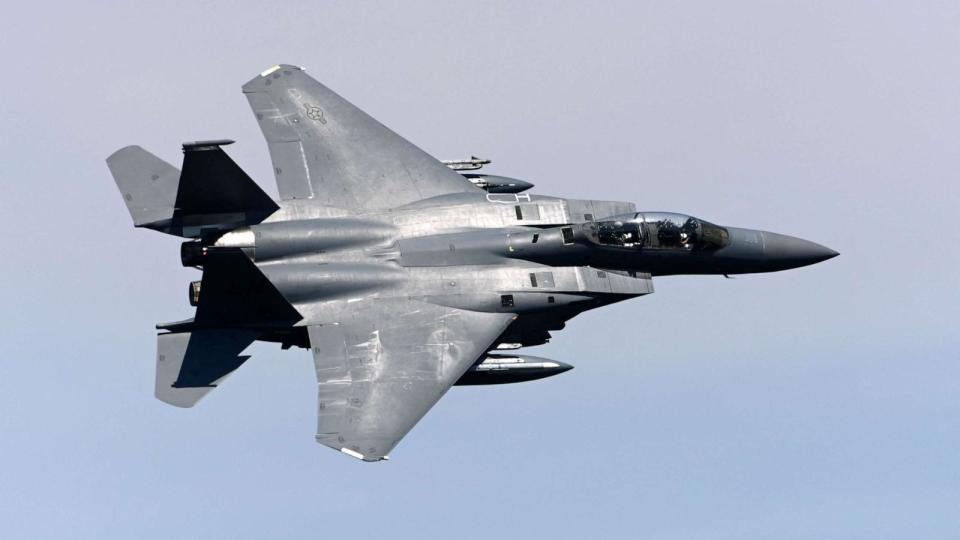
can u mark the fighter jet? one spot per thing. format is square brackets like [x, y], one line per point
[403, 275]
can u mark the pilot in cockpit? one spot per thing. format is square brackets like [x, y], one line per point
[630, 237]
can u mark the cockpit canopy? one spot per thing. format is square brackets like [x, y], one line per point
[657, 230]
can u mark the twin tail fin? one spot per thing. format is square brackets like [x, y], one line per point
[211, 194]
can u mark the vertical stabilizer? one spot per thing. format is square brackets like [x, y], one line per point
[212, 194]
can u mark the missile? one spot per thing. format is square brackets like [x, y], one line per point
[498, 184]
[487, 182]
[471, 164]
[503, 369]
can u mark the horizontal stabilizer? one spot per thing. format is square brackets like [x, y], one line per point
[191, 364]
[148, 184]
[235, 291]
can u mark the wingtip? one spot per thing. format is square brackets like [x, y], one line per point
[369, 459]
[120, 152]
[278, 67]
[352, 453]
[269, 70]
[264, 78]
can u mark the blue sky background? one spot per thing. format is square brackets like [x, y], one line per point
[817, 403]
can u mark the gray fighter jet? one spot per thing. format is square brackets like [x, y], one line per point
[403, 275]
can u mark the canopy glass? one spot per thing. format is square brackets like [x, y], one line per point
[658, 230]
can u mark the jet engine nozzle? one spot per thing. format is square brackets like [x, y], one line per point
[193, 293]
[192, 253]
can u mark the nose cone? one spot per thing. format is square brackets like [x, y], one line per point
[750, 251]
[784, 251]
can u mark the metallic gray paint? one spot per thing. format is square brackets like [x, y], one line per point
[397, 272]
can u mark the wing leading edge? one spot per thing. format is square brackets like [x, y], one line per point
[381, 366]
[324, 148]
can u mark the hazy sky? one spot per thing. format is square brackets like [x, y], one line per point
[816, 403]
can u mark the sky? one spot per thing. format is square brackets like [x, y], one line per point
[816, 403]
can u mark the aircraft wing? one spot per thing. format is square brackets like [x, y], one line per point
[381, 365]
[324, 148]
